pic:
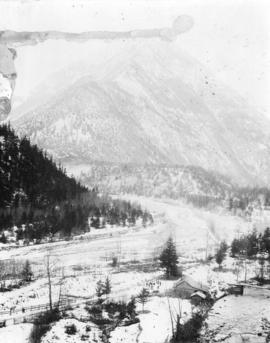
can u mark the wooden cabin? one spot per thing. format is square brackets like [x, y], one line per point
[198, 297]
[236, 289]
[187, 286]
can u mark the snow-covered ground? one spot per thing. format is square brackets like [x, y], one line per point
[16, 333]
[84, 332]
[84, 261]
[236, 316]
[191, 228]
[155, 324]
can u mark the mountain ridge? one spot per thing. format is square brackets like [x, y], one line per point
[141, 108]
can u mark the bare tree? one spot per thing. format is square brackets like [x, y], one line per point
[171, 316]
[50, 267]
[261, 263]
[49, 277]
[61, 283]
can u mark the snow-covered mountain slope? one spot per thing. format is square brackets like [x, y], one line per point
[153, 104]
[160, 181]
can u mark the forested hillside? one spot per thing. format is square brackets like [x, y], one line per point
[192, 183]
[38, 199]
[29, 177]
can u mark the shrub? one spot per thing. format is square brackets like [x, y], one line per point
[114, 261]
[37, 332]
[71, 329]
[47, 317]
[189, 331]
[221, 253]
[42, 325]
[77, 267]
[95, 310]
[116, 307]
[27, 273]
[101, 321]
[131, 307]
[88, 328]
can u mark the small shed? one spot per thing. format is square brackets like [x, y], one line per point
[186, 286]
[197, 297]
[236, 289]
[255, 290]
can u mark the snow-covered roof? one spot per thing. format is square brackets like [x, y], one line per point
[199, 294]
[193, 283]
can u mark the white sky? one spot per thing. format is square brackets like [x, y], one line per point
[230, 36]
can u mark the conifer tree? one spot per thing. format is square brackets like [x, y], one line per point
[131, 307]
[99, 289]
[220, 255]
[107, 286]
[168, 259]
[143, 297]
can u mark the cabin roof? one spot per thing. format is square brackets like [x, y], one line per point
[192, 283]
[198, 294]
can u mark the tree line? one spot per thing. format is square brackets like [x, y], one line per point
[192, 183]
[74, 217]
[252, 244]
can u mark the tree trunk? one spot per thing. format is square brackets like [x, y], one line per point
[49, 282]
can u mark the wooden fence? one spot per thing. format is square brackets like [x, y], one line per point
[28, 314]
[33, 310]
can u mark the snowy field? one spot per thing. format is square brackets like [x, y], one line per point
[190, 227]
[86, 259]
[235, 317]
[16, 333]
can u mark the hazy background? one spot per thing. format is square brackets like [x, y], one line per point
[230, 37]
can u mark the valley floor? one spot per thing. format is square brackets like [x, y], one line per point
[78, 265]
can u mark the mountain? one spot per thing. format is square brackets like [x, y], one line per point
[153, 104]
